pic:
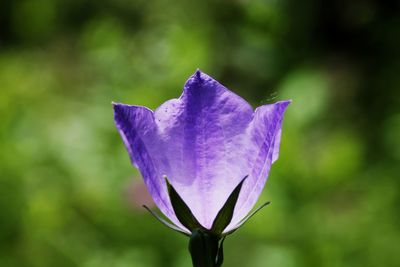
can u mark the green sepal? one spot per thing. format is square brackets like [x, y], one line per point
[166, 223]
[220, 255]
[182, 211]
[225, 214]
[245, 219]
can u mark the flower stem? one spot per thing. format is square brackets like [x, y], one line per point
[205, 249]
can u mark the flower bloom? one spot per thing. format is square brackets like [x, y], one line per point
[205, 142]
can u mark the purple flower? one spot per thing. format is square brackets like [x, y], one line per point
[205, 142]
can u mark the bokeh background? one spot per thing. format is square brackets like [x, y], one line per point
[68, 194]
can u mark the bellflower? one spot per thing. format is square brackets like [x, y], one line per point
[205, 158]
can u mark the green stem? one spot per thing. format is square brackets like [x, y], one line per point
[205, 249]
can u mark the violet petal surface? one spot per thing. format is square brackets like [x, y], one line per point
[205, 142]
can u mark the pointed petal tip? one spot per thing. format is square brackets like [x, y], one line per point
[120, 107]
[198, 75]
[285, 102]
[196, 80]
[117, 106]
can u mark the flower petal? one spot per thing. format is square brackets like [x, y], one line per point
[201, 134]
[138, 131]
[264, 134]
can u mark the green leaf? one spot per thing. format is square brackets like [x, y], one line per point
[164, 222]
[225, 214]
[182, 211]
[245, 219]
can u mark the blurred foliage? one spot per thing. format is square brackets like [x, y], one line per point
[68, 194]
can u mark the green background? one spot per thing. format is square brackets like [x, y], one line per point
[68, 194]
